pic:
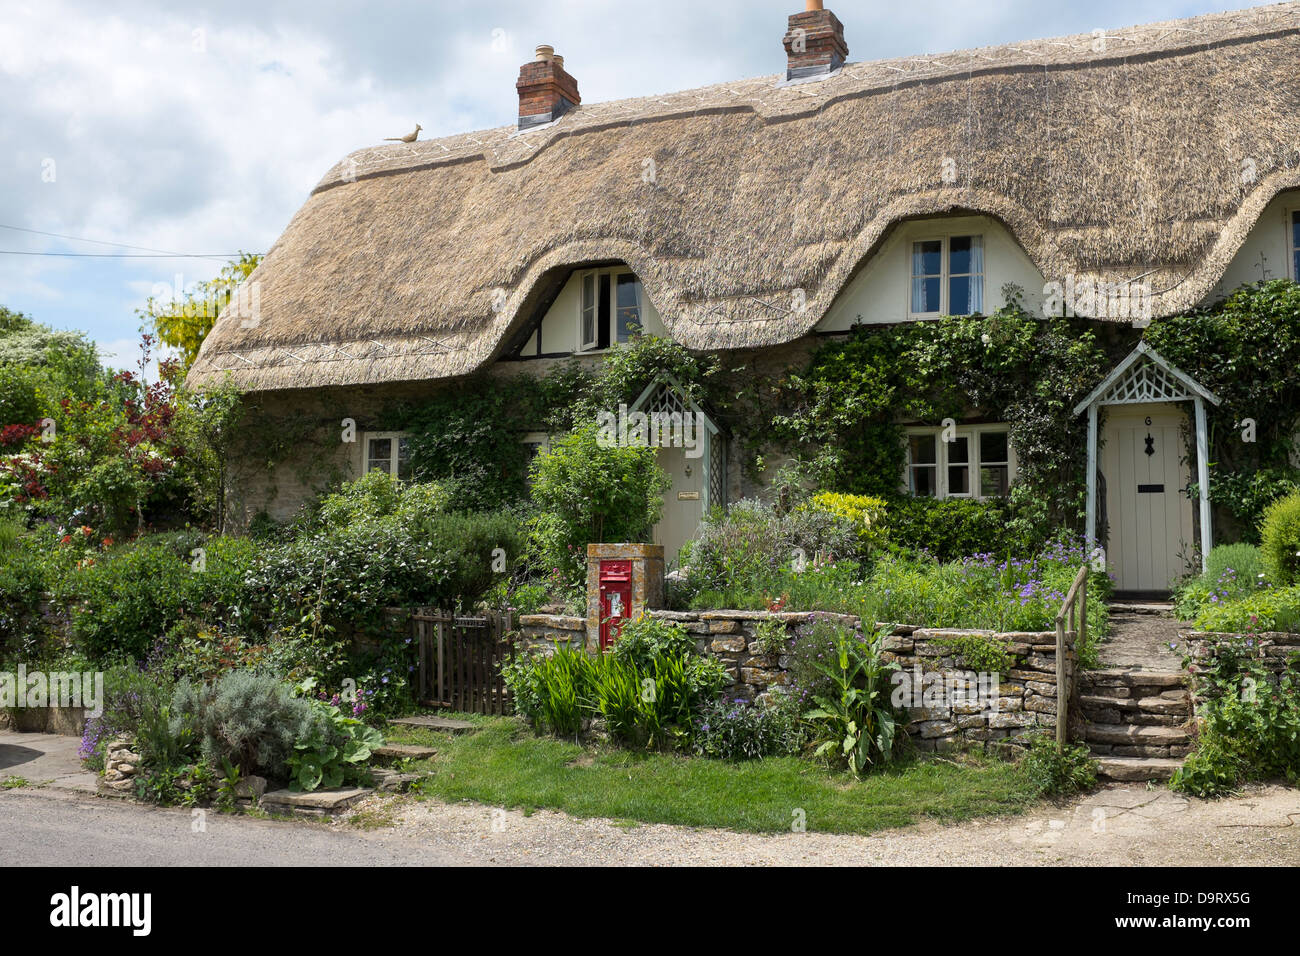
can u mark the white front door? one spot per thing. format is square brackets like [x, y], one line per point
[1148, 513]
[683, 502]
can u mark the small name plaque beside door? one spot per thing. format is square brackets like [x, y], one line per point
[688, 496]
[1151, 489]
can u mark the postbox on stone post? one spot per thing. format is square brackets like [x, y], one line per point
[622, 581]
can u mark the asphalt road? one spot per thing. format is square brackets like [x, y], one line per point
[52, 828]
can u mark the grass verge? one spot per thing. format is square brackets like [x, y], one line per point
[503, 764]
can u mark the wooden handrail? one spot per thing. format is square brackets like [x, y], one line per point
[1075, 607]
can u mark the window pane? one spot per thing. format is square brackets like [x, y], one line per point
[994, 481]
[958, 480]
[927, 267]
[959, 450]
[959, 295]
[588, 310]
[379, 455]
[993, 447]
[404, 458]
[1295, 242]
[959, 260]
[923, 482]
[628, 306]
[925, 295]
[922, 449]
[927, 257]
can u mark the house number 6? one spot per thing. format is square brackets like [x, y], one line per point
[1148, 420]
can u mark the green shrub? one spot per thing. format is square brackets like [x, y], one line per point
[333, 749]
[979, 653]
[1279, 533]
[1268, 609]
[587, 492]
[754, 547]
[852, 721]
[744, 730]
[1233, 571]
[1059, 773]
[123, 601]
[24, 578]
[250, 721]
[951, 528]
[866, 514]
[1250, 725]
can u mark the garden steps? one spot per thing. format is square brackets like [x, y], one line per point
[404, 751]
[1136, 721]
[1138, 769]
[446, 725]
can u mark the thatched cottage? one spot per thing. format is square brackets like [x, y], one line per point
[1154, 167]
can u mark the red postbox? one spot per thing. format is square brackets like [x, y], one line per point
[615, 599]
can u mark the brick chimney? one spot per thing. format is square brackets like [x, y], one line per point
[546, 91]
[814, 43]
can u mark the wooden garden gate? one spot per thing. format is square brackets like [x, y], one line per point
[460, 661]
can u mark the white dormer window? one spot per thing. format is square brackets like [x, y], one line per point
[947, 276]
[610, 308]
[389, 452]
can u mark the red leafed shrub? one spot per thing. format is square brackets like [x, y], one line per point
[13, 435]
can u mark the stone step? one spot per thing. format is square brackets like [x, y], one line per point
[1130, 677]
[1157, 706]
[318, 803]
[446, 725]
[1137, 769]
[1135, 736]
[407, 751]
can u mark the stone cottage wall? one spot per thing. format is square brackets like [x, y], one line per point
[1026, 695]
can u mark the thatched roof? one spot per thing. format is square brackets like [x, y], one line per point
[1107, 156]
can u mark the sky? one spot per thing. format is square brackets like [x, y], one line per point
[201, 128]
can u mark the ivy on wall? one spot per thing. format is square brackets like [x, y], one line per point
[851, 404]
[1245, 349]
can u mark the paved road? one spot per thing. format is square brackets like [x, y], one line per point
[1115, 826]
[49, 827]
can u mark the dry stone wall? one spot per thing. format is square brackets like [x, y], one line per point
[948, 704]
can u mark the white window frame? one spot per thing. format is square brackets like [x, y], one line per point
[945, 274]
[585, 345]
[614, 272]
[394, 462]
[974, 463]
[1293, 247]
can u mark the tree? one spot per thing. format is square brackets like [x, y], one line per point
[183, 324]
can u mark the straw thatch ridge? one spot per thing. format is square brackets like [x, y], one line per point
[1149, 152]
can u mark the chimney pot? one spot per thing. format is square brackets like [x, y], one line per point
[814, 43]
[546, 90]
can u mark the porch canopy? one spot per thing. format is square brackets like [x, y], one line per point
[1147, 377]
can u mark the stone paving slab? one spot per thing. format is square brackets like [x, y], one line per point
[444, 724]
[45, 760]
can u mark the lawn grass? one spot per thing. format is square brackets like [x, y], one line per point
[503, 764]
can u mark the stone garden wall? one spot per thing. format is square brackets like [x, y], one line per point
[1274, 649]
[943, 706]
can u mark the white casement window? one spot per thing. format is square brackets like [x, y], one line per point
[610, 307]
[947, 276]
[388, 452]
[1294, 232]
[977, 462]
[589, 311]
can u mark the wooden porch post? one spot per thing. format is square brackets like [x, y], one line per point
[1091, 530]
[1203, 480]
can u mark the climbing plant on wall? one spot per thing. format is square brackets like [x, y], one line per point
[1245, 349]
[850, 404]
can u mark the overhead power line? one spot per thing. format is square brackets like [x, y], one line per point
[151, 252]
